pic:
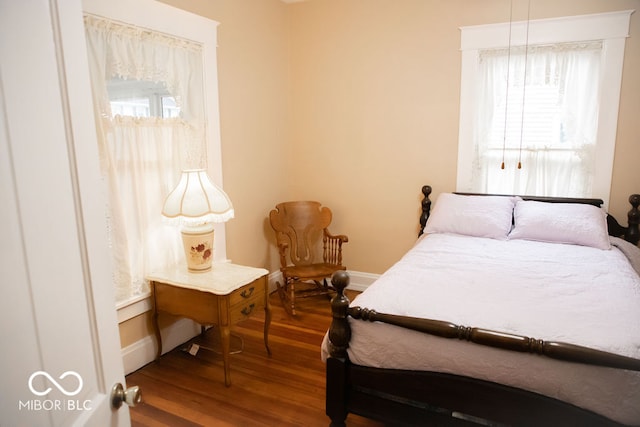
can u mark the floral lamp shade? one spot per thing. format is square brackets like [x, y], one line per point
[196, 203]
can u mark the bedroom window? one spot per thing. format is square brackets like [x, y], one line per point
[556, 114]
[149, 98]
[554, 135]
[139, 98]
[143, 146]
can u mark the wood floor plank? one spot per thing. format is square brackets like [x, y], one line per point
[286, 389]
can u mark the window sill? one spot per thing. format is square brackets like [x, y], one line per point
[134, 307]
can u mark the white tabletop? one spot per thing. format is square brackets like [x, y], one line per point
[222, 279]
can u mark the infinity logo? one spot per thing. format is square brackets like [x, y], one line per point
[58, 386]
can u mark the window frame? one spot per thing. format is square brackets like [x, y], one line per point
[612, 28]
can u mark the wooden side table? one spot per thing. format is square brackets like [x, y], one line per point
[222, 297]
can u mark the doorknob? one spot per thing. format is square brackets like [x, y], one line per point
[131, 396]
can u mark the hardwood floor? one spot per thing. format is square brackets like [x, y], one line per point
[286, 389]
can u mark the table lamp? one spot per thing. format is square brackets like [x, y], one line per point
[197, 203]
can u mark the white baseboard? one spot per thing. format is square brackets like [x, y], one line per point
[143, 351]
[361, 280]
[274, 277]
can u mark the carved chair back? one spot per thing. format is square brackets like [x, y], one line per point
[299, 228]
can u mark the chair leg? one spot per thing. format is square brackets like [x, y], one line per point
[327, 288]
[287, 295]
[292, 298]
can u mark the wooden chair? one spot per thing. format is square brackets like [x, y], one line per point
[301, 233]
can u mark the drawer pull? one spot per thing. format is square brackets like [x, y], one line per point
[247, 310]
[245, 294]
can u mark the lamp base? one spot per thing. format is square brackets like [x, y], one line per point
[198, 247]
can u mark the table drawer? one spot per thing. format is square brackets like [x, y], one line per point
[245, 310]
[247, 292]
[246, 301]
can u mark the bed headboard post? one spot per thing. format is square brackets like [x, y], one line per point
[632, 233]
[426, 208]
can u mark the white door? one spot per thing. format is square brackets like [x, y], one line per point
[60, 353]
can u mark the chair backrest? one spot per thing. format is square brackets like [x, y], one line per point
[300, 225]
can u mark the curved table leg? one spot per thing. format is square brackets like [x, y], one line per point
[156, 325]
[225, 339]
[267, 320]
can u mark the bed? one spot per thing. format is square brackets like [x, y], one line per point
[508, 310]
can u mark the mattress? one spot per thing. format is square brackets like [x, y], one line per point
[550, 291]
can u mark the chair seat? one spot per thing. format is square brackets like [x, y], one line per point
[311, 272]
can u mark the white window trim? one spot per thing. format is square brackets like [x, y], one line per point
[612, 28]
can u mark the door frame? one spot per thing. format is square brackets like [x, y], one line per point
[57, 315]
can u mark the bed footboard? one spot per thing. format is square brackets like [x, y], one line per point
[414, 397]
[340, 333]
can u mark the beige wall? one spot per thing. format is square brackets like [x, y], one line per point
[375, 105]
[355, 103]
[253, 76]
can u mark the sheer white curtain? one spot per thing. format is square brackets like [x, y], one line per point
[554, 139]
[142, 157]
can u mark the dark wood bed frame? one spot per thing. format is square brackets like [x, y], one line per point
[400, 397]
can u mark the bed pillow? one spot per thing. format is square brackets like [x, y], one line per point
[478, 216]
[572, 223]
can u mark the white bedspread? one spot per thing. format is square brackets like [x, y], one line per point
[557, 292]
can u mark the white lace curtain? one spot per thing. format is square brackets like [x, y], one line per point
[555, 137]
[142, 157]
